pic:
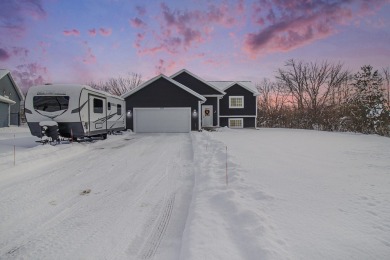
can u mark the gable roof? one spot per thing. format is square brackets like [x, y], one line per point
[198, 78]
[3, 73]
[248, 85]
[166, 78]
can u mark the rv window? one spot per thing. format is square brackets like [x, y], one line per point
[119, 109]
[98, 106]
[51, 103]
[109, 106]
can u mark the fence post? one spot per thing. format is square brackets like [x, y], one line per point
[227, 181]
[14, 152]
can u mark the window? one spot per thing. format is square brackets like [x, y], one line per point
[98, 106]
[51, 103]
[109, 106]
[119, 109]
[236, 102]
[236, 123]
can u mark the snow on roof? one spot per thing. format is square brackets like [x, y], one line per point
[223, 85]
[3, 73]
[6, 100]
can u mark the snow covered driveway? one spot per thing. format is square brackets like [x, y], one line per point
[112, 199]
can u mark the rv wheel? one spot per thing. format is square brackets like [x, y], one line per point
[104, 136]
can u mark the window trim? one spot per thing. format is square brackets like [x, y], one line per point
[238, 119]
[230, 101]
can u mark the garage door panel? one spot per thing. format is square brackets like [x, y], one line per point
[162, 120]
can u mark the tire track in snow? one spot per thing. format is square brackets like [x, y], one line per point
[150, 247]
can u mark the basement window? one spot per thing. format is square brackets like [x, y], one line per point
[236, 123]
[236, 102]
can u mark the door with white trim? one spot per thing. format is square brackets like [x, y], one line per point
[207, 115]
[97, 113]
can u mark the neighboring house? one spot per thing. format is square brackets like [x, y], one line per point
[185, 102]
[11, 98]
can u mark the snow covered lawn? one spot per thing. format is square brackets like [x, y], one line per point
[291, 194]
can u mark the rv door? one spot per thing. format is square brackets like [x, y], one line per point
[97, 115]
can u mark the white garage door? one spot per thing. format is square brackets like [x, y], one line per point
[162, 120]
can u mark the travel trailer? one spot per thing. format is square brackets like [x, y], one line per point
[74, 111]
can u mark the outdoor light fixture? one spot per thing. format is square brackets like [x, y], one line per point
[194, 114]
[129, 114]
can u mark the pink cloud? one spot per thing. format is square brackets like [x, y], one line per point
[31, 74]
[105, 32]
[73, 32]
[286, 25]
[137, 23]
[92, 32]
[184, 29]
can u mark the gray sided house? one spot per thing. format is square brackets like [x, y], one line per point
[238, 107]
[162, 105]
[11, 98]
[185, 102]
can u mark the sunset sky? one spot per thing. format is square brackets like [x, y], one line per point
[65, 41]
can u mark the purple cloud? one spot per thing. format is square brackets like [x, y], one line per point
[286, 25]
[4, 55]
[184, 29]
[13, 15]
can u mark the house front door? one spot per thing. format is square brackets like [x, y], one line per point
[207, 116]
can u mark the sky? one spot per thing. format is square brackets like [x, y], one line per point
[79, 41]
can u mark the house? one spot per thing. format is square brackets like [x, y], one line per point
[185, 102]
[11, 99]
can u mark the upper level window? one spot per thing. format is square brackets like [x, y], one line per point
[236, 102]
[109, 106]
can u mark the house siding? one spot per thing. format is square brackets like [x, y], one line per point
[4, 114]
[214, 102]
[7, 88]
[195, 84]
[161, 93]
[249, 102]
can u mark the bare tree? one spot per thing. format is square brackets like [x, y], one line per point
[312, 86]
[294, 79]
[386, 77]
[271, 101]
[118, 86]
